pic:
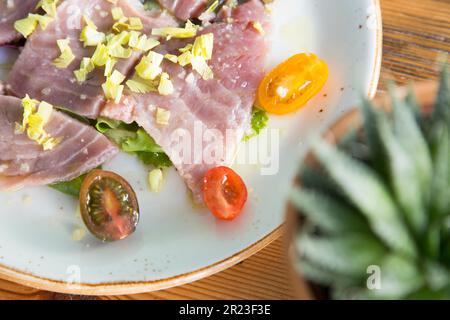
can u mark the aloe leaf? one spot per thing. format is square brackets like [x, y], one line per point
[368, 193]
[437, 276]
[411, 100]
[440, 186]
[411, 138]
[316, 179]
[373, 139]
[327, 213]
[432, 240]
[349, 254]
[404, 176]
[441, 111]
[345, 292]
[317, 274]
[399, 277]
[428, 294]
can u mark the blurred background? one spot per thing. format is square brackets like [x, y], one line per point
[416, 37]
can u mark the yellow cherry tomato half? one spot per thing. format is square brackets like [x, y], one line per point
[292, 84]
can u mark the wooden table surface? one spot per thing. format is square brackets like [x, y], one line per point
[416, 35]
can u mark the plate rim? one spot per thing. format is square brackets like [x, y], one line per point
[126, 288]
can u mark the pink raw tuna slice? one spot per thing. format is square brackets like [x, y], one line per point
[220, 108]
[35, 74]
[24, 163]
[185, 9]
[10, 12]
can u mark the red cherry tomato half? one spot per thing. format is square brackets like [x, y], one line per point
[224, 192]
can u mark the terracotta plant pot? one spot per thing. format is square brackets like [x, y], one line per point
[426, 93]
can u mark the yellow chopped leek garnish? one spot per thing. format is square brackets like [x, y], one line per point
[49, 6]
[63, 44]
[258, 27]
[212, 8]
[133, 40]
[155, 180]
[135, 23]
[188, 47]
[35, 127]
[49, 143]
[149, 66]
[29, 107]
[185, 58]
[115, 46]
[109, 66]
[119, 52]
[145, 44]
[113, 91]
[118, 39]
[197, 55]
[189, 31]
[171, 57]
[139, 85]
[112, 87]
[100, 56]
[199, 64]
[35, 116]
[86, 66]
[165, 87]
[162, 116]
[124, 24]
[44, 111]
[26, 26]
[89, 35]
[42, 20]
[66, 57]
[120, 26]
[203, 46]
[117, 13]
[117, 77]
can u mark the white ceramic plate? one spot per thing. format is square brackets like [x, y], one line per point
[176, 243]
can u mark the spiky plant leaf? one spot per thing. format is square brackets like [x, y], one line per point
[399, 277]
[373, 139]
[401, 188]
[440, 186]
[410, 136]
[405, 176]
[368, 193]
[348, 254]
[319, 275]
[428, 294]
[342, 291]
[311, 178]
[441, 111]
[437, 276]
[432, 240]
[413, 103]
[326, 212]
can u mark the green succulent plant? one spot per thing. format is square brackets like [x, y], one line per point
[375, 208]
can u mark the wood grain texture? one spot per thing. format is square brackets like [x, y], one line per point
[416, 36]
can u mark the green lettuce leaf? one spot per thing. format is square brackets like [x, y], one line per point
[71, 188]
[260, 119]
[142, 142]
[134, 140]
